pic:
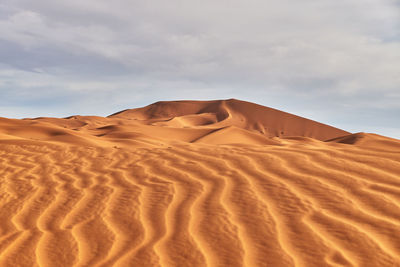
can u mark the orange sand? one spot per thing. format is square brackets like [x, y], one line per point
[196, 183]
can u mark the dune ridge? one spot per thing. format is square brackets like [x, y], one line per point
[193, 183]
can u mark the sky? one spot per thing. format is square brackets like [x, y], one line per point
[337, 62]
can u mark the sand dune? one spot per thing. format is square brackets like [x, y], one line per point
[190, 183]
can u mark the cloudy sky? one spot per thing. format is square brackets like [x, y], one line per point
[336, 62]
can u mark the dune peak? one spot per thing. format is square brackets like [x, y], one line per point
[196, 183]
[232, 112]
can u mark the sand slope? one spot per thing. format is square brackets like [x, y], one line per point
[167, 185]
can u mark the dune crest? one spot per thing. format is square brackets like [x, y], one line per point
[170, 122]
[196, 183]
[222, 113]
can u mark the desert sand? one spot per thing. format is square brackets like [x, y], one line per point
[196, 183]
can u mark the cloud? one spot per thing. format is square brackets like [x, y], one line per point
[301, 56]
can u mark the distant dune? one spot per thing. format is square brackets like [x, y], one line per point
[196, 183]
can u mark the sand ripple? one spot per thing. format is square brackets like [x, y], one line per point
[198, 205]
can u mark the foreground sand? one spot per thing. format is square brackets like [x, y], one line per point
[226, 197]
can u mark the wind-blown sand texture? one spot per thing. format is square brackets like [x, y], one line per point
[190, 183]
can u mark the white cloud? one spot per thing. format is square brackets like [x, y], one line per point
[340, 53]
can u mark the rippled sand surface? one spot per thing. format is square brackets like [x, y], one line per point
[112, 195]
